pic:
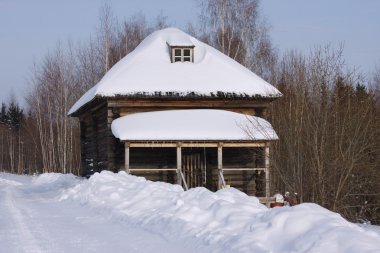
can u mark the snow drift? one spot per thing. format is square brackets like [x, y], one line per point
[227, 221]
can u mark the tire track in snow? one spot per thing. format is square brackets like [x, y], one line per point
[37, 222]
[28, 242]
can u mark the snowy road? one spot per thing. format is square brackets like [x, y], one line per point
[36, 221]
[123, 213]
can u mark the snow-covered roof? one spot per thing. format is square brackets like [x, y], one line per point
[148, 70]
[194, 125]
[179, 39]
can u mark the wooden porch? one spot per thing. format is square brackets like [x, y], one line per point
[214, 165]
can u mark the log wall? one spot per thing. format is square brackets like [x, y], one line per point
[100, 150]
[249, 107]
[94, 131]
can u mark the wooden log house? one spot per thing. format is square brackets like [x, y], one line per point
[179, 111]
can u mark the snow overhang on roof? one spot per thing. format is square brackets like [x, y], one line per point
[179, 40]
[148, 70]
[192, 125]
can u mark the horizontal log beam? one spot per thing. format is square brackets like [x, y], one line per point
[195, 145]
[194, 103]
[152, 169]
[239, 169]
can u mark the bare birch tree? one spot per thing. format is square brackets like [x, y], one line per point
[236, 29]
[327, 129]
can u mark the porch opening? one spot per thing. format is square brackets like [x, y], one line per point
[243, 168]
[155, 164]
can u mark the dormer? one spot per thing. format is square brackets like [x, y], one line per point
[181, 53]
[181, 49]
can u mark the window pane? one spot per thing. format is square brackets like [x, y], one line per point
[177, 59]
[186, 59]
[186, 52]
[177, 52]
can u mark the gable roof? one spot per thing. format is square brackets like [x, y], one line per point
[192, 125]
[148, 70]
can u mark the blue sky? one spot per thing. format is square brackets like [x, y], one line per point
[304, 24]
[30, 28]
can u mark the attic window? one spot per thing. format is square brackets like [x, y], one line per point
[182, 54]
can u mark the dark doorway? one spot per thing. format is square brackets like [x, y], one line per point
[199, 167]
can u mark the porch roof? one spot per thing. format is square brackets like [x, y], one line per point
[192, 125]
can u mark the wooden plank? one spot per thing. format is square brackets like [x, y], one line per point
[179, 164]
[221, 182]
[199, 145]
[145, 169]
[267, 178]
[240, 169]
[156, 144]
[131, 110]
[183, 180]
[153, 145]
[198, 181]
[243, 144]
[183, 103]
[127, 157]
[148, 144]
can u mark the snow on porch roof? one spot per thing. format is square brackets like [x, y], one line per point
[192, 125]
[148, 69]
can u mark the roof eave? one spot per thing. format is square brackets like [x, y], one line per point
[86, 106]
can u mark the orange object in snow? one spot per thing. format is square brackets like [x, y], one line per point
[275, 204]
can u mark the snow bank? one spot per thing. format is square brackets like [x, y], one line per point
[228, 220]
[200, 124]
[54, 181]
[9, 182]
[42, 182]
[7, 179]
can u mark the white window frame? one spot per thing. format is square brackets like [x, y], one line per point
[182, 57]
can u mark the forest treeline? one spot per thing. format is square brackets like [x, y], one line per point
[328, 119]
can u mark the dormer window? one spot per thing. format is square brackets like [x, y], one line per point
[181, 53]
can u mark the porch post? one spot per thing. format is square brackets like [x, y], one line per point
[221, 182]
[267, 182]
[179, 163]
[126, 145]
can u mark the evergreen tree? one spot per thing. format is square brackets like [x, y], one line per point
[3, 114]
[14, 116]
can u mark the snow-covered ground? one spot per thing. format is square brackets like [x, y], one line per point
[122, 213]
